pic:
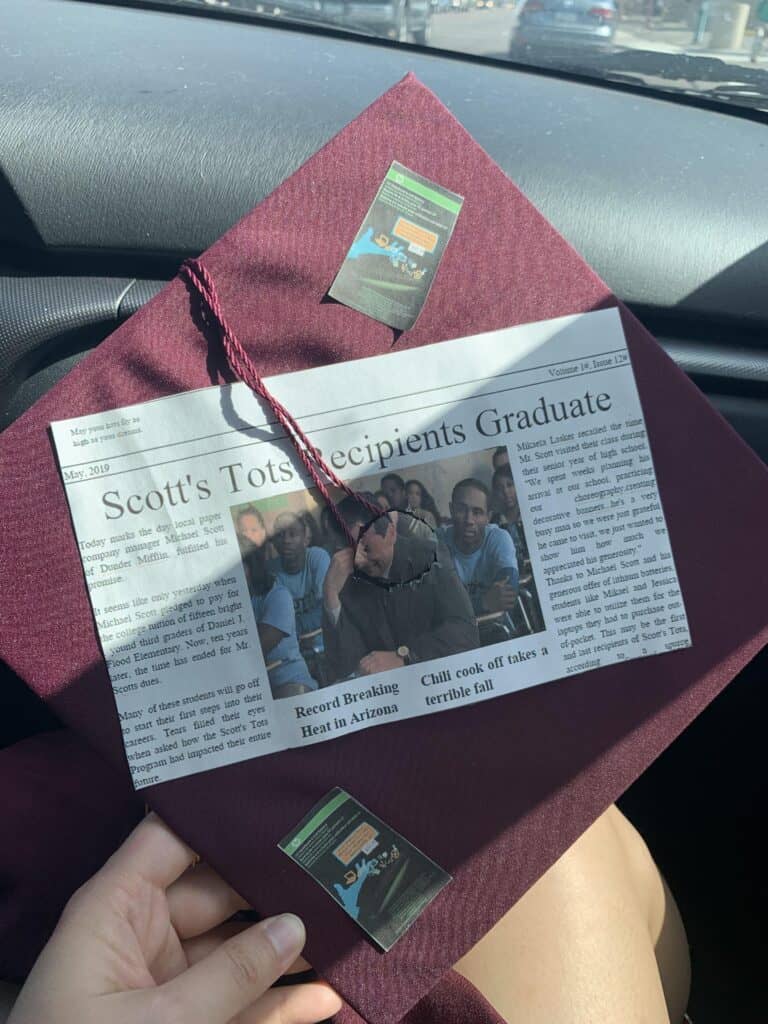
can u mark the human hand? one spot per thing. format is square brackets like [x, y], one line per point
[341, 568]
[380, 661]
[499, 597]
[143, 942]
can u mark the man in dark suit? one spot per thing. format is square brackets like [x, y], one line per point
[392, 601]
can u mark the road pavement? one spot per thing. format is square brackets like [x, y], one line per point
[486, 32]
[482, 32]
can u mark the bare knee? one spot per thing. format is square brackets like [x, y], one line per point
[601, 925]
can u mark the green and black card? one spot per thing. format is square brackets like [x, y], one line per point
[380, 879]
[392, 262]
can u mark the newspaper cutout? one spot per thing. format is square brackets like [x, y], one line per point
[522, 540]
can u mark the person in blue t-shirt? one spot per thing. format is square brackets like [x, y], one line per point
[300, 568]
[483, 554]
[507, 513]
[276, 624]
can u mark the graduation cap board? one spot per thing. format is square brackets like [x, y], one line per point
[495, 792]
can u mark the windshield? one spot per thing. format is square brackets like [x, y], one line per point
[715, 49]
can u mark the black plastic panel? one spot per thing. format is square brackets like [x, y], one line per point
[721, 362]
[34, 310]
[36, 314]
[145, 132]
[48, 323]
[139, 293]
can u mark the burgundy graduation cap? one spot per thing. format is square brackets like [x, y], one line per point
[494, 792]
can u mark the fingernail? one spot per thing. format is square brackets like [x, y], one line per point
[286, 934]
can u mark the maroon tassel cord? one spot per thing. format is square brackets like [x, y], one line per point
[242, 367]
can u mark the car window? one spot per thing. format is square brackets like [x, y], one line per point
[713, 49]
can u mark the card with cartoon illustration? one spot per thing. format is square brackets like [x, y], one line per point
[392, 262]
[380, 879]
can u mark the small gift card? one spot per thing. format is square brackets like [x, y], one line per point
[381, 880]
[392, 262]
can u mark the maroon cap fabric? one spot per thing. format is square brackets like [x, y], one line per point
[63, 812]
[494, 792]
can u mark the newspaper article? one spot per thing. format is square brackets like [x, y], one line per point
[521, 539]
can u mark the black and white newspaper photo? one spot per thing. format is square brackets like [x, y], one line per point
[503, 529]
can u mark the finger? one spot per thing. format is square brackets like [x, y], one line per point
[293, 1004]
[153, 852]
[199, 947]
[200, 900]
[169, 960]
[236, 973]
[299, 966]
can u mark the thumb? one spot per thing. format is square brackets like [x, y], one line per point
[235, 974]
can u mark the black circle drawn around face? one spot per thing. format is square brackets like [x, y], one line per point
[413, 549]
